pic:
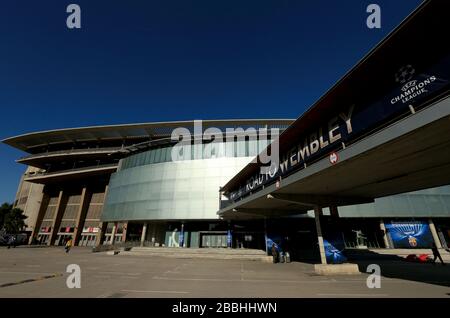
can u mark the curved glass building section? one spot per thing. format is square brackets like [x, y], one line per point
[152, 185]
[171, 190]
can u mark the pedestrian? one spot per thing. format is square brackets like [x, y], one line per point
[274, 253]
[436, 254]
[68, 245]
[12, 241]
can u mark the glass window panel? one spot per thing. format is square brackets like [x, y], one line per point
[152, 156]
[262, 144]
[168, 154]
[208, 150]
[147, 158]
[165, 154]
[229, 149]
[253, 148]
[240, 148]
[157, 155]
[133, 161]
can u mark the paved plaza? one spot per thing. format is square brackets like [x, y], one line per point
[41, 272]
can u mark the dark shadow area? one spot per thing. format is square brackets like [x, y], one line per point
[393, 266]
[308, 256]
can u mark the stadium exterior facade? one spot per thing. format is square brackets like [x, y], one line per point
[110, 184]
[116, 184]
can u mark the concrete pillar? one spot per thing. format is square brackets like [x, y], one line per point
[144, 233]
[385, 235]
[436, 239]
[62, 199]
[81, 215]
[113, 233]
[124, 231]
[317, 214]
[42, 209]
[101, 233]
[334, 211]
[103, 225]
[154, 233]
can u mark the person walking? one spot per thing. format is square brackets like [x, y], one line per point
[12, 241]
[436, 254]
[274, 253]
[68, 245]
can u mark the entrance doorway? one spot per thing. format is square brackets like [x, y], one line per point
[87, 240]
[42, 239]
[62, 238]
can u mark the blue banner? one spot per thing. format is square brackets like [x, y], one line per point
[334, 247]
[410, 234]
[181, 238]
[229, 238]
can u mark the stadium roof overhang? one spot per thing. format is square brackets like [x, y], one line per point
[409, 155]
[148, 131]
[385, 126]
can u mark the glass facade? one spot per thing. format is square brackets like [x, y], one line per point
[179, 190]
[433, 202]
[232, 149]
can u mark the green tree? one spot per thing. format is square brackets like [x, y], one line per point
[4, 209]
[11, 219]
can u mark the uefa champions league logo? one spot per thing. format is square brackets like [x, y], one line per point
[411, 88]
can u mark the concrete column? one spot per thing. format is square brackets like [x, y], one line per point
[124, 231]
[103, 225]
[57, 218]
[144, 233]
[42, 209]
[334, 211]
[317, 214]
[436, 239]
[154, 233]
[113, 233]
[81, 215]
[385, 236]
[101, 233]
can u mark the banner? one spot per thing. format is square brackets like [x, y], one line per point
[410, 234]
[334, 247]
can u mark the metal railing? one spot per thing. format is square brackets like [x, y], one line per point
[70, 152]
[44, 173]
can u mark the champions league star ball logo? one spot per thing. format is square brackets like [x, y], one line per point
[411, 88]
[404, 74]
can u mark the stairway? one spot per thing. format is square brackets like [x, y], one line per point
[207, 253]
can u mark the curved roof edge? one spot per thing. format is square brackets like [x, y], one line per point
[32, 139]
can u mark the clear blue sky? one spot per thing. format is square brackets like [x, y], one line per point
[158, 60]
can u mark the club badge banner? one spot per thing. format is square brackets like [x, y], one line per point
[410, 234]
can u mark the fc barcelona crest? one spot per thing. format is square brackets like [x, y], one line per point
[412, 241]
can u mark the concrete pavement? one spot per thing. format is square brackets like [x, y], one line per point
[152, 276]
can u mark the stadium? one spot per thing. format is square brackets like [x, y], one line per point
[367, 165]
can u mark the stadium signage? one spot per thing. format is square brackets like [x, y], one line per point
[412, 89]
[313, 144]
[353, 122]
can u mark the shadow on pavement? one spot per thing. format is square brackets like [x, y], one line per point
[393, 266]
